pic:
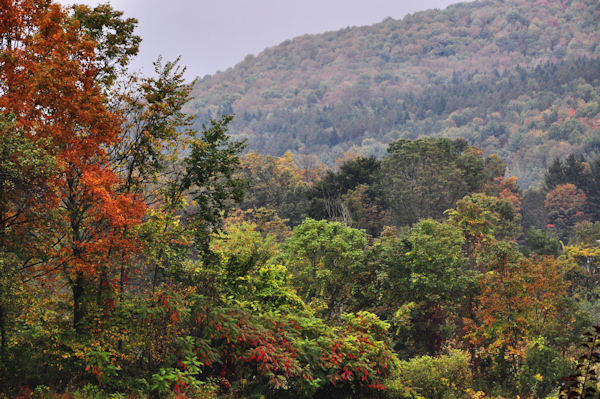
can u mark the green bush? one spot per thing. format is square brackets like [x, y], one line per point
[443, 377]
[542, 371]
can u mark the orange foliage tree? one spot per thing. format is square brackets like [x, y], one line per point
[48, 81]
[566, 206]
[521, 300]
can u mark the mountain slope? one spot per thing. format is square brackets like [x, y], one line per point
[516, 77]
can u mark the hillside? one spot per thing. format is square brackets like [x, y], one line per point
[516, 77]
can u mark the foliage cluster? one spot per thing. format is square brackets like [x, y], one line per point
[472, 277]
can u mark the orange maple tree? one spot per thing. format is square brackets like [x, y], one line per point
[566, 206]
[47, 81]
[521, 300]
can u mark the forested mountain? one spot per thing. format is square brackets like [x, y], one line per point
[514, 77]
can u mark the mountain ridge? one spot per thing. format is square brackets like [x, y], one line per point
[360, 88]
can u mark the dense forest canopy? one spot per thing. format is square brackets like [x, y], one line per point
[514, 77]
[143, 258]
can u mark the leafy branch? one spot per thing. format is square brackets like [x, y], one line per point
[582, 383]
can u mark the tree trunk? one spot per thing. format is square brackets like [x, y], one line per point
[2, 332]
[78, 308]
[2, 342]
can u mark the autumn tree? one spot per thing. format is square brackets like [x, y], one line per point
[277, 183]
[566, 206]
[506, 188]
[58, 100]
[267, 222]
[522, 300]
[92, 155]
[507, 224]
[479, 223]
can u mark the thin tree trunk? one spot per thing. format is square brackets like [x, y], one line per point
[3, 342]
[156, 270]
[2, 332]
[78, 307]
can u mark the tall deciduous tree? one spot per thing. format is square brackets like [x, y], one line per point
[115, 42]
[155, 129]
[148, 155]
[477, 225]
[325, 258]
[434, 278]
[48, 80]
[427, 176]
[521, 300]
[566, 206]
[210, 176]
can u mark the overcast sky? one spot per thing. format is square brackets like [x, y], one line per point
[212, 35]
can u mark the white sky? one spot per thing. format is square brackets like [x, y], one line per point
[212, 35]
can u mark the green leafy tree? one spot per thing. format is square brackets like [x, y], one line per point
[207, 178]
[243, 269]
[210, 176]
[542, 242]
[543, 370]
[325, 258]
[155, 130]
[115, 42]
[27, 170]
[431, 279]
[417, 280]
[148, 159]
[423, 178]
